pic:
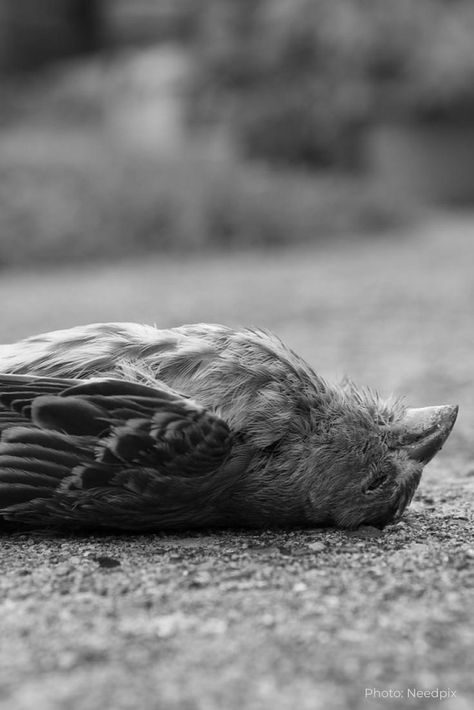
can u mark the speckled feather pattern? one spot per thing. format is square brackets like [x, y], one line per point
[303, 451]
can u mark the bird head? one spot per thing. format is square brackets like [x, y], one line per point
[368, 463]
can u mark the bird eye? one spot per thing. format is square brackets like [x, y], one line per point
[376, 482]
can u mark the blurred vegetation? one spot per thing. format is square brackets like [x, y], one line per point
[150, 21]
[284, 76]
[33, 34]
[299, 81]
[279, 97]
[420, 60]
[92, 204]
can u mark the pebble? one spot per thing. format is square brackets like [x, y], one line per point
[316, 546]
[107, 562]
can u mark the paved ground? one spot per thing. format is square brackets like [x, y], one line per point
[304, 619]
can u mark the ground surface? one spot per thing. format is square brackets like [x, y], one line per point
[301, 619]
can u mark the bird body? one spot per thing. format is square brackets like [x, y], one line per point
[127, 426]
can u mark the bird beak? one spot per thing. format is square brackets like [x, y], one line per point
[422, 432]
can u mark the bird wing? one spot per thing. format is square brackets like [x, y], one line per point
[97, 451]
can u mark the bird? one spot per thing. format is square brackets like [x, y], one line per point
[129, 427]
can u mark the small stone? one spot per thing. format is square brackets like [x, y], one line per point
[300, 587]
[201, 579]
[170, 624]
[63, 569]
[316, 546]
[107, 562]
[23, 572]
[268, 620]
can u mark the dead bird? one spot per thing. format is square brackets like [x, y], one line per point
[121, 425]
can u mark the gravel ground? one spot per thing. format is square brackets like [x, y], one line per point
[303, 619]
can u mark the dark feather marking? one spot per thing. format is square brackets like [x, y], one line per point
[71, 415]
[66, 443]
[32, 466]
[9, 473]
[9, 419]
[7, 415]
[13, 493]
[91, 475]
[127, 427]
[42, 453]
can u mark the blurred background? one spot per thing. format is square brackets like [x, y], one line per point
[174, 125]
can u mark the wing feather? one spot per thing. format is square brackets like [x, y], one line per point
[81, 443]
